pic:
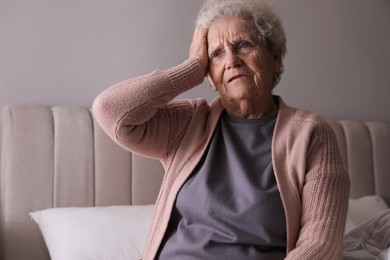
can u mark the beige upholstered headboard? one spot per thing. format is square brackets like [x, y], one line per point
[59, 156]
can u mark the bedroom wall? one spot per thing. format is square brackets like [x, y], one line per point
[66, 52]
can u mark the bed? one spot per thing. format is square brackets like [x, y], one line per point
[59, 158]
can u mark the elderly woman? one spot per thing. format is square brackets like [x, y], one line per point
[246, 176]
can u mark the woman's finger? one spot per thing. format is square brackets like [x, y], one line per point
[198, 48]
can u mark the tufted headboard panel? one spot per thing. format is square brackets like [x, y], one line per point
[59, 156]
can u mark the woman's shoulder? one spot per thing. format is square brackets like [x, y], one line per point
[300, 118]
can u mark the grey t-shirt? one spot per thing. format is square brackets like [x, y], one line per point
[230, 207]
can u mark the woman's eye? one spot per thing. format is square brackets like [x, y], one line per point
[244, 45]
[215, 54]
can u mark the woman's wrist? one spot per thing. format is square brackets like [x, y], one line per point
[186, 75]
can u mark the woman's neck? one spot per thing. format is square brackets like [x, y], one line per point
[250, 109]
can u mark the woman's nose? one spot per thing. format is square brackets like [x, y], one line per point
[233, 60]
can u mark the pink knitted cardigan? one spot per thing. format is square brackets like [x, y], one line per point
[141, 115]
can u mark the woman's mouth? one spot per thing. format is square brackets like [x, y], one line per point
[236, 77]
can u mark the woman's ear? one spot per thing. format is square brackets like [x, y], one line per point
[278, 64]
[213, 87]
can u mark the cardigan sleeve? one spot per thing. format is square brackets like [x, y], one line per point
[139, 113]
[324, 198]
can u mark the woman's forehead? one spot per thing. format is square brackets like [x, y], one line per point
[228, 23]
[229, 27]
[227, 30]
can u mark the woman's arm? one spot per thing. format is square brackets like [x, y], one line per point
[137, 114]
[324, 199]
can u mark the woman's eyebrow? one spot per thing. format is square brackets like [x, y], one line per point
[214, 49]
[241, 38]
[233, 42]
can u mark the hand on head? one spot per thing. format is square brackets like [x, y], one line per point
[198, 48]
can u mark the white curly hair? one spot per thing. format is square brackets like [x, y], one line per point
[267, 27]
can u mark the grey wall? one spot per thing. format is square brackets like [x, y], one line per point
[66, 52]
[338, 61]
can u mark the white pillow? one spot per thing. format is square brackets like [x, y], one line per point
[95, 233]
[361, 209]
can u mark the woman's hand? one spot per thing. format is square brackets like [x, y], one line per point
[198, 48]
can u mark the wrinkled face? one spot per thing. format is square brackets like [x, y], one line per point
[240, 66]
